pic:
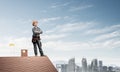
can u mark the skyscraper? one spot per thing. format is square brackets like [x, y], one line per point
[89, 68]
[64, 68]
[105, 68]
[78, 69]
[100, 66]
[94, 65]
[71, 65]
[84, 65]
[110, 69]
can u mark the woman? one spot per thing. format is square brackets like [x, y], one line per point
[36, 38]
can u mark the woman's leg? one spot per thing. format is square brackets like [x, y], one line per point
[35, 48]
[40, 47]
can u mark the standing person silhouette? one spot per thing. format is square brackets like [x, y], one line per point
[36, 38]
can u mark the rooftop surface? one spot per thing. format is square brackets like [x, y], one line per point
[26, 64]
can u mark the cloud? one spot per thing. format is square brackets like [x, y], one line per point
[107, 37]
[66, 46]
[53, 36]
[103, 30]
[49, 19]
[115, 34]
[70, 27]
[19, 43]
[107, 40]
[97, 42]
[77, 8]
[56, 5]
[73, 46]
[108, 44]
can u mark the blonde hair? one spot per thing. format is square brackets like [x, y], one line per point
[33, 23]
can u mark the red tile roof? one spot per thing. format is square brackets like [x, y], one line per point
[26, 64]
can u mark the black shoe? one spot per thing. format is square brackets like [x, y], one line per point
[42, 55]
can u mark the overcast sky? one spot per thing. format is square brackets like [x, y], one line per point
[72, 28]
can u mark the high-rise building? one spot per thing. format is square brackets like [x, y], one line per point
[84, 65]
[100, 66]
[94, 65]
[104, 68]
[64, 68]
[78, 69]
[71, 65]
[89, 68]
[110, 69]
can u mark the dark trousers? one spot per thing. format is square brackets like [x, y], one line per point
[39, 44]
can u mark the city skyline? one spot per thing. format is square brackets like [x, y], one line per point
[71, 28]
[96, 65]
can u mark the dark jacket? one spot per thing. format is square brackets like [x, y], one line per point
[36, 34]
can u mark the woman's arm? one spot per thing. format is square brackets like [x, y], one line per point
[37, 31]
